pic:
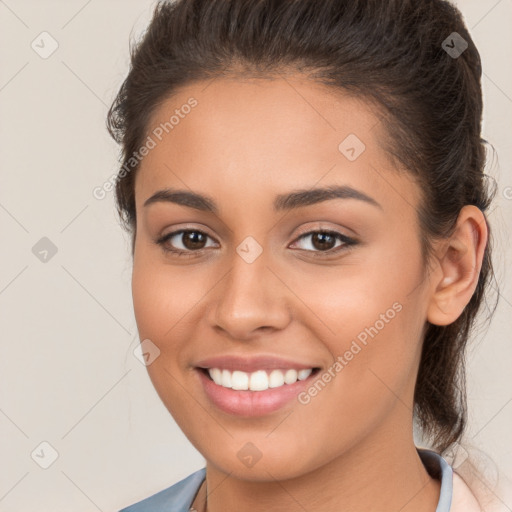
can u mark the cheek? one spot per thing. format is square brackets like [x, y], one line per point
[167, 304]
[150, 304]
[161, 302]
[370, 314]
[343, 301]
[163, 298]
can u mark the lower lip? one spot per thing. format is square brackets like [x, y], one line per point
[252, 403]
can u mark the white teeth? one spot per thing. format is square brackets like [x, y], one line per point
[226, 378]
[216, 375]
[276, 379]
[290, 376]
[304, 374]
[240, 380]
[258, 380]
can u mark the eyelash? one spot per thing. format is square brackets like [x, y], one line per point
[347, 242]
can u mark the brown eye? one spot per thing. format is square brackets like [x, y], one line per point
[183, 242]
[325, 242]
[193, 239]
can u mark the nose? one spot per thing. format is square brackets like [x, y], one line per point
[249, 299]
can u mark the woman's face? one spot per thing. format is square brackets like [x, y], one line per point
[261, 278]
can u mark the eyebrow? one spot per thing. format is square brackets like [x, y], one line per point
[283, 202]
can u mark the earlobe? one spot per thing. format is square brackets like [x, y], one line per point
[460, 260]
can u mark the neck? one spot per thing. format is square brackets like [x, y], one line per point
[388, 471]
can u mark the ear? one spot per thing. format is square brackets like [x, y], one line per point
[460, 260]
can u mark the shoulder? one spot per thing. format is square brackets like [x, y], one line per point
[463, 499]
[177, 497]
[455, 495]
[476, 493]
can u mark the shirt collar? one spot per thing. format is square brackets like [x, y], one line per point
[438, 468]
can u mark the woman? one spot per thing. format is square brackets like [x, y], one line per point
[303, 182]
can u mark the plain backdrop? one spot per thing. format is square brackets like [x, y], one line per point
[69, 378]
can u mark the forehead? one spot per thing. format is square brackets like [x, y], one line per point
[260, 134]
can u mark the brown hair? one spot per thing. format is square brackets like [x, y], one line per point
[392, 53]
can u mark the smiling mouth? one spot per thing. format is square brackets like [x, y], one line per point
[259, 380]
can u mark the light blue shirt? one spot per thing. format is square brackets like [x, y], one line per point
[179, 497]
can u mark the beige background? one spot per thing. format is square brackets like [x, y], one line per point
[68, 373]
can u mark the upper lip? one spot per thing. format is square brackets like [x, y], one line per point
[251, 364]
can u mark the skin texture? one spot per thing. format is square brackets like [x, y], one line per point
[244, 143]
